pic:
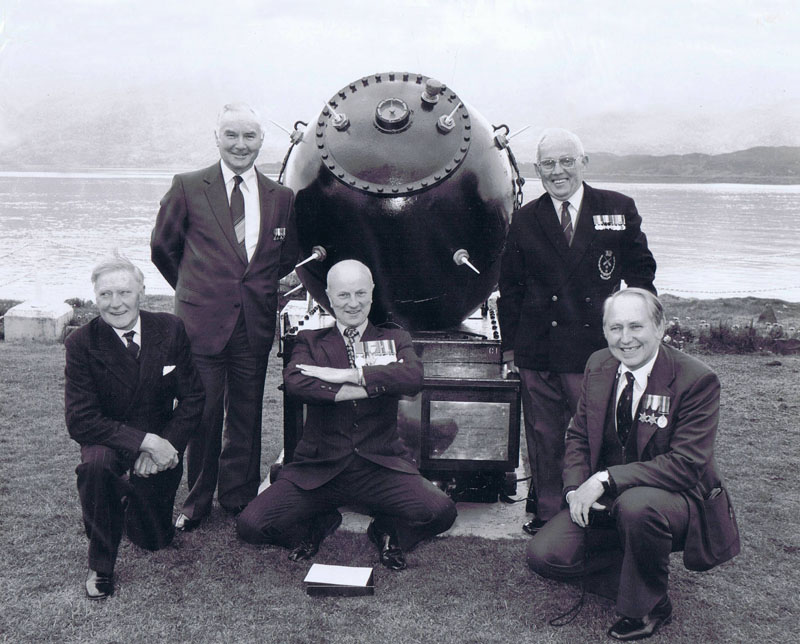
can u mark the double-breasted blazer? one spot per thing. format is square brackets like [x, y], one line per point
[678, 457]
[334, 432]
[552, 293]
[193, 245]
[112, 400]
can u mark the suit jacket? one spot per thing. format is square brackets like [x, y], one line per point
[194, 246]
[112, 400]
[336, 431]
[551, 304]
[678, 457]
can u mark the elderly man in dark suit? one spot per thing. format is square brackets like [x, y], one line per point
[124, 372]
[350, 452]
[223, 238]
[639, 467]
[566, 252]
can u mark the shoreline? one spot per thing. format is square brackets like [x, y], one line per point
[272, 170]
[684, 314]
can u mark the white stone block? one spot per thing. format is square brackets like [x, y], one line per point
[37, 321]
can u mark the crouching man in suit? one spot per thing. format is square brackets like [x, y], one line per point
[124, 371]
[350, 452]
[639, 475]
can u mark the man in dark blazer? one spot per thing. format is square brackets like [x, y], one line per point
[350, 452]
[640, 456]
[124, 372]
[566, 252]
[223, 238]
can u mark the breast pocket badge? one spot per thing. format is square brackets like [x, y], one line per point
[606, 264]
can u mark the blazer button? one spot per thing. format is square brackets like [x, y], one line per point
[554, 323]
[554, 298]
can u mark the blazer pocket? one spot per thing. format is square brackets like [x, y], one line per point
[305, 449]
[189, 296]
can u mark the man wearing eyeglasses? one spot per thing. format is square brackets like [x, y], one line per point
[566, 252]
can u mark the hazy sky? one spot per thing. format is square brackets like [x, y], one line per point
[653, 77]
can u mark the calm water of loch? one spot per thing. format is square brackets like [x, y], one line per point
[710, 240]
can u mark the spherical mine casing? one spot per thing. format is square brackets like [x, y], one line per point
[401, 182]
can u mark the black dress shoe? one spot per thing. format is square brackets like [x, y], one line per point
[185, 524]
[391, 554]
[533, 526]
[637, 628]
[98, 585]
[235, 510]
[322, 527]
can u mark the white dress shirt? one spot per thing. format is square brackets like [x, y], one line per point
[574, 207]
[640, 378]
[137, 333]
[252, 206]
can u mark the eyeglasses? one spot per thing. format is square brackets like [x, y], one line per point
[564, 162]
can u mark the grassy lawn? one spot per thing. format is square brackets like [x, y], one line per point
[209, 587]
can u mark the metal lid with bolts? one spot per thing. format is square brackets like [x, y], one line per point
[399, 113]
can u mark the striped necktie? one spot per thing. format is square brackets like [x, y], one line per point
[131, 346]
[351, 333]
[237, 211]
[624, 411]
[566, 223]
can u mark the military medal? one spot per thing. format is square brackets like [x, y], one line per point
[606, 264]
[609, 222]
[659, 406]
[279, 234]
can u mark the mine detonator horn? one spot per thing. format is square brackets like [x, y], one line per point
[461, 257]
[317, 253]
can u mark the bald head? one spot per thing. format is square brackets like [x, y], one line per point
[350, 292]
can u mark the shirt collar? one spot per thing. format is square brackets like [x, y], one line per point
[575, 200]
[248, 177]
[137, 328]
[642, 374]
[360, 328]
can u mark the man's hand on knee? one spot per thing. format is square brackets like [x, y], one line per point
[144, 465]
[584, 498]
[160, 450]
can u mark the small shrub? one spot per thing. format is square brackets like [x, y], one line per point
[78, 303]
[726, 338]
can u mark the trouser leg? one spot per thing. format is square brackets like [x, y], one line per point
[101, 487]
[203, 448]
[148, 517]
[283, 513]
[564, 551]
[407, 505]
[548, 400]
[651, 523]
[240, 458]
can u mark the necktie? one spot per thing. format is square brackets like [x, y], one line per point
[131, 346]
[624, 413]
[351, 333]
[237, 211]
[566, 222]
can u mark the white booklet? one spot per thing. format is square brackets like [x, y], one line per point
[338, 575]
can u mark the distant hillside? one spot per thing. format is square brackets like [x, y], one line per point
[778, 165]
[136, 131]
